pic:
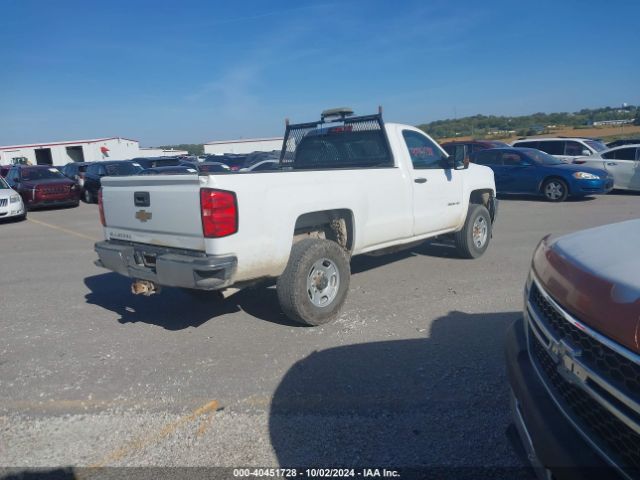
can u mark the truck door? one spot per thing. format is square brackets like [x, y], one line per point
[437, 189]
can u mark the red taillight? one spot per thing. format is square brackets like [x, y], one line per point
[101, 209]
[219, 211]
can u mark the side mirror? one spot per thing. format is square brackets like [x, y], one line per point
[586, 153]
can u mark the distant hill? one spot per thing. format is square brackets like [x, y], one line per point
[483, 126]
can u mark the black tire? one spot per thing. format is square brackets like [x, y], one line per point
[87, 196]
[555, 190]
[293, 289]
[22, 217]
[468, 246]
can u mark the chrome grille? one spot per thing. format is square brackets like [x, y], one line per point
[602, 398]
[4, 202]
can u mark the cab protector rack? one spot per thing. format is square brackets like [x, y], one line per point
[362, 143]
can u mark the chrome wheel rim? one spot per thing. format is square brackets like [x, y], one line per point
[480, 232]
[323, 282]
[554, 190]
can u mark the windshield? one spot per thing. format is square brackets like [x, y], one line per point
[122, 169]
[29, 174]
[4, 185]
[541, 158]
[596, 145]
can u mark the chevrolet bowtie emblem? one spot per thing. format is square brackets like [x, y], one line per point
[143, 215]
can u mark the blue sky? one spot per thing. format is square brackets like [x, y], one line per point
[188, 71]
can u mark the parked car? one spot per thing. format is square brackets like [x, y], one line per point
[11, 204]
[97, 170]
[573, 360]
[75, 171]
[174, 170]
[234, 162]
[4, 169]
[623, 163]
[566, 149]
[624, 141]
[153, 162]
[530, 171]
[262, 166]
[43, 186]
[207, 167]
[354, 187]
[462, 150]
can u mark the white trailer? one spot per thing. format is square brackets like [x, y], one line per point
[61, 153]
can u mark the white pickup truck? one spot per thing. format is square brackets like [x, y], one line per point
[346, 186]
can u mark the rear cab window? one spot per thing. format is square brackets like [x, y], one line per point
[341, 147]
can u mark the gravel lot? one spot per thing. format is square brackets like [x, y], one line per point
[412, 373]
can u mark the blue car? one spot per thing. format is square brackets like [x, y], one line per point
[530, 171]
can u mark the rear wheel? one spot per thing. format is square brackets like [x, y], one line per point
[314, 286]
[555, 190]
[473, 239]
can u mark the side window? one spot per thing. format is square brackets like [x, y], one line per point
[424, 153]
[92, 169]
[552, 147]
[527, 145]
[609, 155]
[574, 148]
[625, 154]
[487, 157]
[510, 159]
[450, 149]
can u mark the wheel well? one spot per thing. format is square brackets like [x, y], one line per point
[336, 225]
[554, 177]
[481, 197]
[484, 197]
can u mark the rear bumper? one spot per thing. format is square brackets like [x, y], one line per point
[552, 444]
[166, 266]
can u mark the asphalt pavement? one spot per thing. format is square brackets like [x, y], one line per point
[411, 374]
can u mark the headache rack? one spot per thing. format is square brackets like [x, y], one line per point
[337, 140]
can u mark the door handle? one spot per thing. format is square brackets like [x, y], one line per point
[611, 164]
[420, 180]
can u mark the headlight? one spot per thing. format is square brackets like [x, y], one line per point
[14, 199]
[586, 176]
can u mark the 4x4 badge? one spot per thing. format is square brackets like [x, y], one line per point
[143, 215]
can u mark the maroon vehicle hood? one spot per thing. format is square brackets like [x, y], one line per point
[47, 181]
[595, 275]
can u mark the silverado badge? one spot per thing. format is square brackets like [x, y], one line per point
[143, 215]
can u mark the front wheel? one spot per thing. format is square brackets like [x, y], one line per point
[314, 285]
[473, 239]
[555, 190]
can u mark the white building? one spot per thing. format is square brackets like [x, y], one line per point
[243, 145]
[61, 153]
[147, 152]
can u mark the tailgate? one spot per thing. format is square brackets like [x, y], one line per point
[156, 209]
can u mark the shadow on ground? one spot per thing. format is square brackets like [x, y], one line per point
[440, 402]
[175, 309]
